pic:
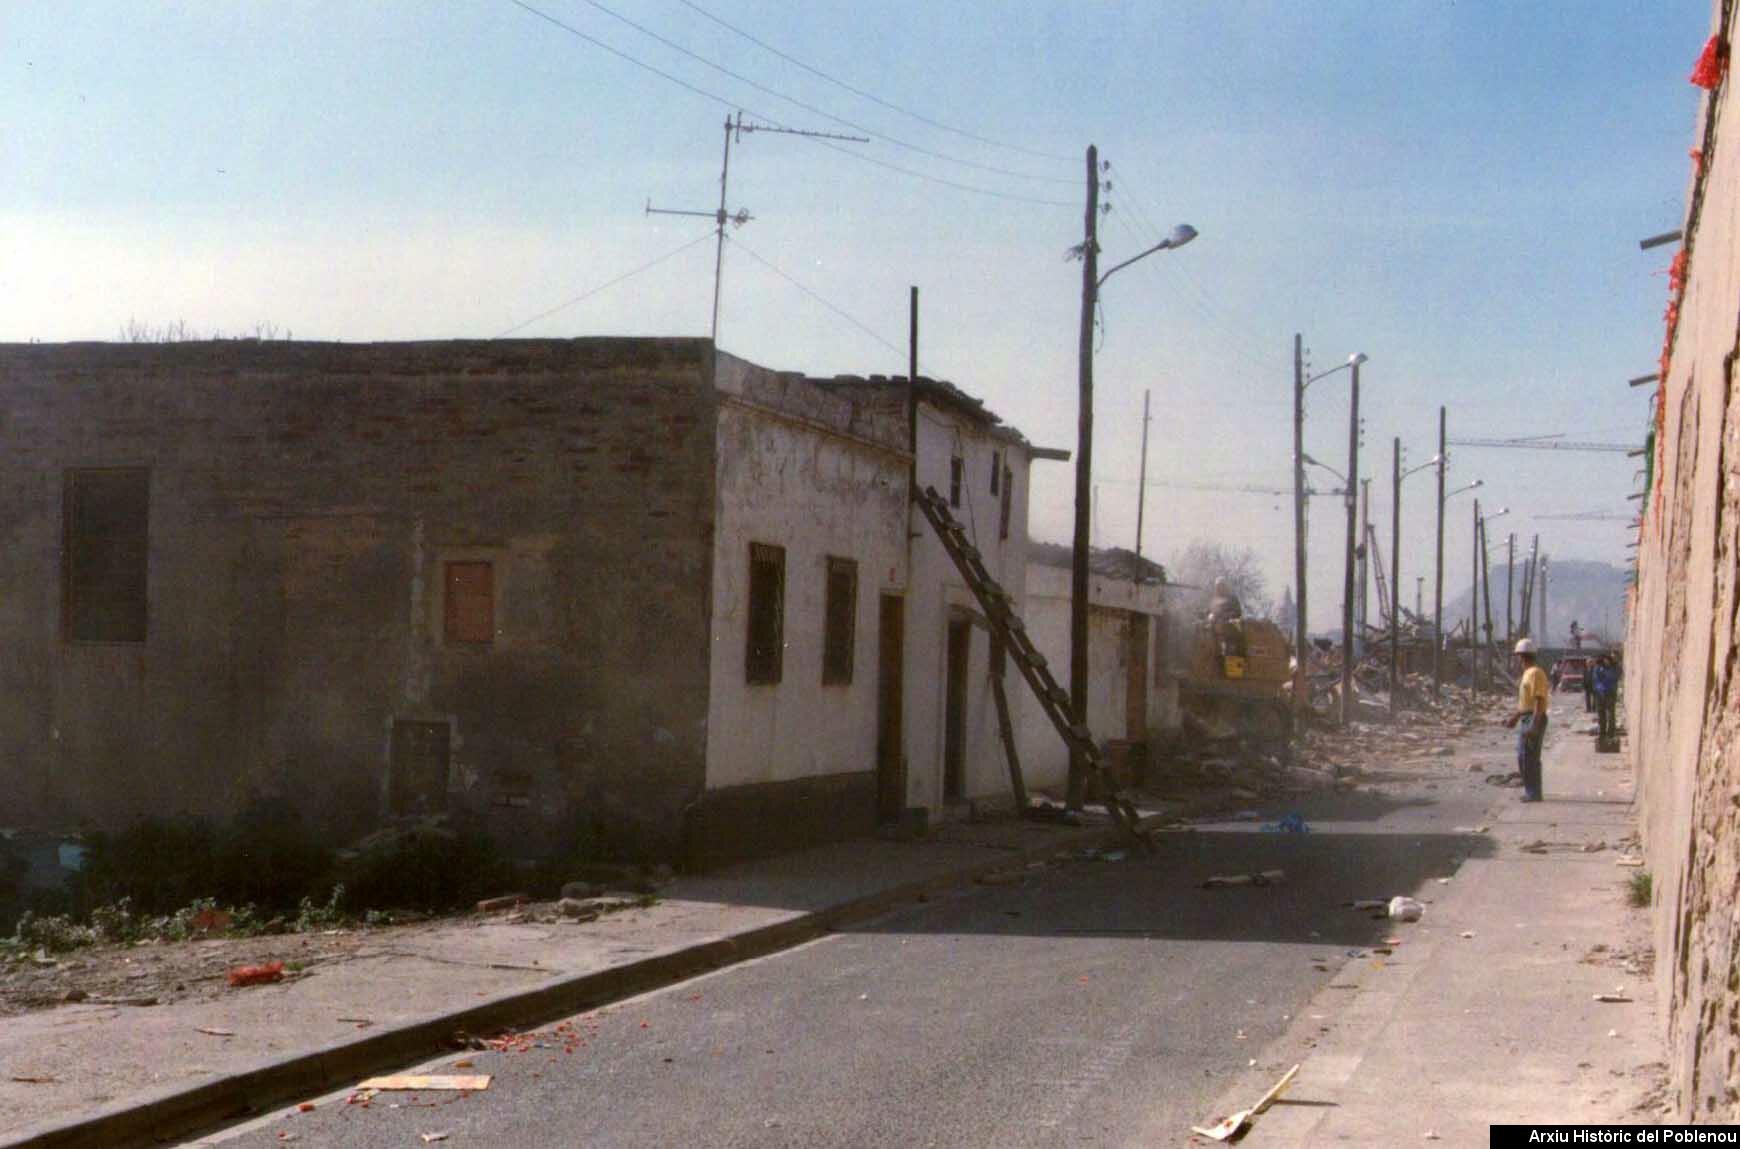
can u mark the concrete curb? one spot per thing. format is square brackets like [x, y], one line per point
[181, 1111]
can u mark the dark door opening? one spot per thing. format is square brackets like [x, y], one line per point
[955, 717]
[1136, 679]
[890, 740]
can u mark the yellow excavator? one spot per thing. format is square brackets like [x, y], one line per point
[1234, 682]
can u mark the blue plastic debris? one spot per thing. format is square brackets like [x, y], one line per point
[1291, 824]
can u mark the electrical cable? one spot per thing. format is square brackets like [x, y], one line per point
[835, 308]
[733, 104]
[872, 97]
[813, 109]
[588, 294]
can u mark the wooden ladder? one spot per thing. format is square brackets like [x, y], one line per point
[1008, 629]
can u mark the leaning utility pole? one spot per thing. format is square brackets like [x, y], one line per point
[1084, 455]
[1301, 673]
[1438, 577]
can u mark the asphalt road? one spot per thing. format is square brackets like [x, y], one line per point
[1095, 1002]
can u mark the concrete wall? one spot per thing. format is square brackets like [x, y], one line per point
[821, 474]
[1114, 602]
[303, 498]
[1682, 691]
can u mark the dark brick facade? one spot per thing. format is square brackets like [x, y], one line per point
[304, 499]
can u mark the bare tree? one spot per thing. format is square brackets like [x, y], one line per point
[1203, 562]
[134, 331]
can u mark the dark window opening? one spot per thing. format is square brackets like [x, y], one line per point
[1008, 503]
[996, 470]
[470, 602]
[104, 555]
[766, 656]
[957, 468]
[839, 643]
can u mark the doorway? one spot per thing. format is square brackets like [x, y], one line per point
[1136, 678]
[890, 737]
[955, 714]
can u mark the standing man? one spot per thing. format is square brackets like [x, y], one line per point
[1605, 684]
[1531, 710]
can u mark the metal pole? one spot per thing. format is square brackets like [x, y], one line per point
[1419, 595]
[1347, 582]
[719, 250]
[1141, 489]
[1301, 677]
[1546, 625]
[1396, 579]
[1078, 589]
[1438, 572]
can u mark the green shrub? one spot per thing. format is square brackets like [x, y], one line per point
[1640, 889]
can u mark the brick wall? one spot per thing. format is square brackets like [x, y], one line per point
[1682, 655]
[303, 500]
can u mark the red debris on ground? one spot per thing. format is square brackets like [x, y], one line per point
[257, 974]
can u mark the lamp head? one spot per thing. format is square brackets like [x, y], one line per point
[1181, 235]
[1356, 358]
[1477, 483]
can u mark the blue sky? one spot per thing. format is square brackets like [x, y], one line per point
[1454, 188]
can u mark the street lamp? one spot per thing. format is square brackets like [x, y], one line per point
[1350, 486]
[1444, 497]
[1091, 282]
[1486, 578]
[1397, 475]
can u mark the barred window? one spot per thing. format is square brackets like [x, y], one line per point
[840, 628]
[765, 661]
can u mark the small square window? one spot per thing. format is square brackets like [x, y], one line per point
[841, 624]
[765, 658]
[957, 469]
[470, 612]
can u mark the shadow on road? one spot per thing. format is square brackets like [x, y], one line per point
[1162, 895]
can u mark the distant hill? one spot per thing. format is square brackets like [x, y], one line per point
[1592, 593]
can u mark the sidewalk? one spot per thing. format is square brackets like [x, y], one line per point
[1486, 1011]
[107, 1075]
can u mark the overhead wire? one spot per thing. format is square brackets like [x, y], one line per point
[814, 109]
[590, 292]
[814, 295]
[773, 122]
[871, 96]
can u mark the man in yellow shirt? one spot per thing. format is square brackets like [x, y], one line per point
[1531, 710]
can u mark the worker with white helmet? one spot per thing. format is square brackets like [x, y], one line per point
[1533, 691]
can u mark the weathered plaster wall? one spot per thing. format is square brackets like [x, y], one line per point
[937, 594]
[302, 500]
[819, 474]
[1044, 757]
[1682, 659]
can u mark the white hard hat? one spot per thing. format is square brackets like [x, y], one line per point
[1525, 646]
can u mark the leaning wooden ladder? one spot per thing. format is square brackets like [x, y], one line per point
[1008, 629]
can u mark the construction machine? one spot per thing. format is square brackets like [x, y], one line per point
[1234, 682]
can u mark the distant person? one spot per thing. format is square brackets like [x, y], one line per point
[1225, 606]
[1533, 691]
[1604, 679]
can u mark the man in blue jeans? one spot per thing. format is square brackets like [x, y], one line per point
[1604, 680]
[1531, 711]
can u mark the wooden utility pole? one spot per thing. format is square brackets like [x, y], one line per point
[1474, 606]
[1486, 591]
[1141, 489]
[1509, 576]
[1084, 457]
[912, 337]
[1546, 624]
[1438, 575]
[1301, 675]
[1364, 563]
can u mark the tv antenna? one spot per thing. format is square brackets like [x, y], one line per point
[736, 128]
